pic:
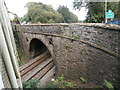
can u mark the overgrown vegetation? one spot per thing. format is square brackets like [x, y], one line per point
[31, 84]
[23, 58]
[61, 82]
[51, 85]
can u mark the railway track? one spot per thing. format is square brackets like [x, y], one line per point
[40, 68]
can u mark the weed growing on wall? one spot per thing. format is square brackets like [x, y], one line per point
[109, 85]
[77, 37]
[83, 80]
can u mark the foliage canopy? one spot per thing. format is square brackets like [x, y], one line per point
[68, 16]
[42, 13]
[96, 10]
[38, 12]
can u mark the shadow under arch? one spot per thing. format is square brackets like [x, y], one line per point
[37, 47]
[41, 65]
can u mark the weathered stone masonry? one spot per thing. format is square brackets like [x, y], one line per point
[79, 50]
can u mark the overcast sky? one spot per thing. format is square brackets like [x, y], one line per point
[17, 6]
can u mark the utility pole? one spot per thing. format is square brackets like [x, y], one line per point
[105, 11]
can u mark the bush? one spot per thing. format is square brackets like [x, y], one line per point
[51, 86]
[60, 81]
[31, 84]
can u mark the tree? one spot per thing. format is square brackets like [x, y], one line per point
[68, 16]
[38, 12]
[118, 11]
[96, 10]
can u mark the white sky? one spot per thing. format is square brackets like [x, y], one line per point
[17, 6]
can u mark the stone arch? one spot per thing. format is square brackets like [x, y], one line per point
[36, 47]
[41, 63]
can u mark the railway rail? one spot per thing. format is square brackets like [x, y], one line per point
[39, 68]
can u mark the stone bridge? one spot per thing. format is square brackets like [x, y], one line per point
[78, 50]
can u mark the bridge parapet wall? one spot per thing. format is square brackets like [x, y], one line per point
[50, 29]
[101, 35]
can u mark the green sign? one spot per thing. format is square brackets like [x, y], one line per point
[110, 14]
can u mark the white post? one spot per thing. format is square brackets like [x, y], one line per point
[7, 59]
[105, 11]
[4, 19]
[9, 41]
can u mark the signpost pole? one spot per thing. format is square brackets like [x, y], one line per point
[105, 11]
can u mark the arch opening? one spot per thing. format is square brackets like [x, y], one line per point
[41, 65]
[36, 48]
